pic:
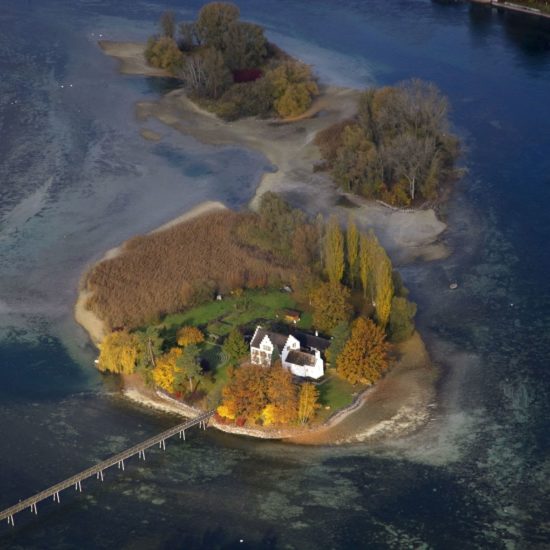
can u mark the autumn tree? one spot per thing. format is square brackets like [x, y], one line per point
[331, 305]
[164, 53]
[282, 395]
[214, 21]
[383, 285]
[401, 322]
[294, 88]
[367, 248]
[352, 248]
[166, 370]
[167, 24]
[119, 352]
[189, 335]
[334, 251]
[308, 402]
[245, 394]
[365, 355]
[235, 346]
[188, 366]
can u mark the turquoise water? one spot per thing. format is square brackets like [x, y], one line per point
[76, 179]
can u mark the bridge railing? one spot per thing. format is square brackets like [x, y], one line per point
[98, 469]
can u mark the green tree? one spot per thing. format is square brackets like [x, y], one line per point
[235, 346]
[167, 24]
[214, 21]
[334, 251]
[352, 248]
[307, 402]
[401, 323]
[331, 305]
[244, 46]
[188, 366]
[365, 355]
[340, 335]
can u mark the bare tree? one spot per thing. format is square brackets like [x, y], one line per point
[410, 157]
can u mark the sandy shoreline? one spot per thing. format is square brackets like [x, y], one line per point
[396, 406]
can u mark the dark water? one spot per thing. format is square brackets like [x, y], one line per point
[76, 178]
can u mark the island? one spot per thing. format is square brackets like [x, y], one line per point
[285, 320]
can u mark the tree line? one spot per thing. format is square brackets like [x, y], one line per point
[343, 277]
[398, 148]
[229, 67]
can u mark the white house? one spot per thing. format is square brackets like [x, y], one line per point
[300, 353]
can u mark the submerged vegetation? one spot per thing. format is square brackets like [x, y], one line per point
[228, 66]
[398, 148]
[223, 273]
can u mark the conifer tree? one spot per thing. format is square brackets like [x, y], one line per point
[383, 286]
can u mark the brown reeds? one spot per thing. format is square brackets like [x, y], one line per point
[165, 272]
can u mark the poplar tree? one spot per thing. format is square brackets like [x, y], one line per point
[334, 251]
[366, 262]
[352, 248]
[383, 286]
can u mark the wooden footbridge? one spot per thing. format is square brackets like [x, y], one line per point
[75, 481]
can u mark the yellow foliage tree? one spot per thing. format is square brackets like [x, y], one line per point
[189, 335]
[383, 286]
[334, 251]
[293, 87]
[164, 53]
[367, 246]
[269, 415]
[307, 402]
[164, 373]
[225, 412]
[365, 355]
[119, 352]
[352, 248]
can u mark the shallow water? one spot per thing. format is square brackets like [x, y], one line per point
[76, 178]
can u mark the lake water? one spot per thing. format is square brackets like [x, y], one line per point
[76, 178]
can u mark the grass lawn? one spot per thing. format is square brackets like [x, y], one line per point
[335, 393]
[236, 311]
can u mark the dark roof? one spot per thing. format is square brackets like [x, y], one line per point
[312, 341]
[300, 358]
[278, 340]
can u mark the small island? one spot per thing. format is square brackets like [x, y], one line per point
[284, 321]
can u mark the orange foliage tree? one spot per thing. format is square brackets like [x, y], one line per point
[331, 305]
[189, 335]
[245, 394]
[365, 355]
[282, 395]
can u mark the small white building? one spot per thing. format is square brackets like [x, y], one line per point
[301, 354]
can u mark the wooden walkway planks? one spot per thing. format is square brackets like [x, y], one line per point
[97, 470]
